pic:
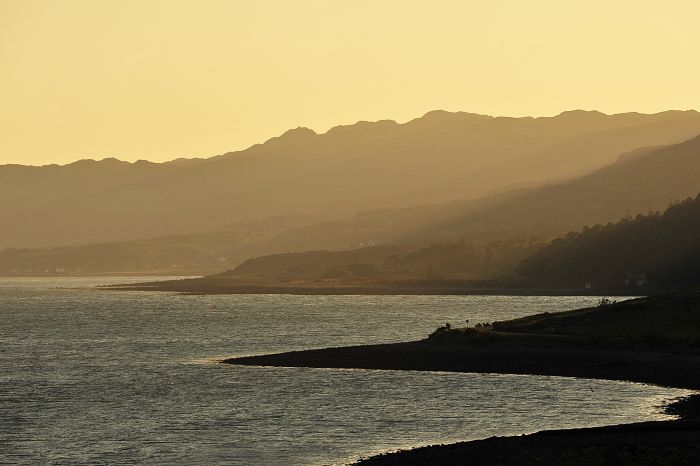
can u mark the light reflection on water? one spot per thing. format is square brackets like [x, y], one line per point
[107, 376]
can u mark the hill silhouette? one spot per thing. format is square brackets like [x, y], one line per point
[349, 169]
[643, 180]
[449, 260]
[187, 254]
[647, 180]
[654, 250]
[639, 181]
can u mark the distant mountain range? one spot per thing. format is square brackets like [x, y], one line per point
[350, 169]
[642, 181]
[474, 238]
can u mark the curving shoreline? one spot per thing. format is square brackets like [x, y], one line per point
[656, 442]
[654, 340]
[624, 444]
[666, 368]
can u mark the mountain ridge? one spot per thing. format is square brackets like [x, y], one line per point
[366, 166]
[643, 179]
[427, 116]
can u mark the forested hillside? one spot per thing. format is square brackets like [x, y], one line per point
[648, 251]
[449, 260]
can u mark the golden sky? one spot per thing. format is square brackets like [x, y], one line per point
[157, 80]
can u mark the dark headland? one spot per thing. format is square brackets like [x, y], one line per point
[217, 284]
[651, 340]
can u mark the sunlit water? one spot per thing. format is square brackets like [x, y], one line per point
[91, 376]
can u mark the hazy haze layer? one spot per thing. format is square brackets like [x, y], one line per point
[436, 158]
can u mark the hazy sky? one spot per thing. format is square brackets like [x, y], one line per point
[164, 79]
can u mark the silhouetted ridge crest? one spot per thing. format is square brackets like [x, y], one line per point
[362, 128]
[298, 135]
[581, 114]
[438, 118]
[107, 161]
[361, 167]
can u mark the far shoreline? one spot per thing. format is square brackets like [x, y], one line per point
[219, 285]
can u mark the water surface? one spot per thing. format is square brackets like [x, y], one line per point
[111, 376]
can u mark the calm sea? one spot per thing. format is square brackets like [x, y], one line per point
[92, 376]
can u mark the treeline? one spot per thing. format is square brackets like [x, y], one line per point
[496, 259]
[459, 260]
[649, 251]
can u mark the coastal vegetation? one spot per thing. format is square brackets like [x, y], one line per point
[657, 249]
[656, 321]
